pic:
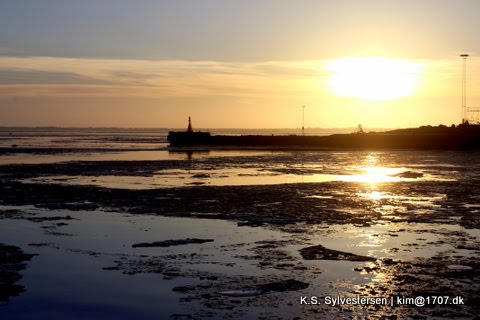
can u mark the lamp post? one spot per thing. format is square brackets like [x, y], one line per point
[464, 88]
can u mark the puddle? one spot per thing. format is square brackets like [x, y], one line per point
[98, 238]
[226, 177]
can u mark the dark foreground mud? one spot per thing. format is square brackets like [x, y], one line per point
[418, 261]
[450, 286]
[170, 243]
[12, 261]
[332, 202]
[450, 193]
[319, 252]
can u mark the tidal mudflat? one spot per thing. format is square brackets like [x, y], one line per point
[239, 234]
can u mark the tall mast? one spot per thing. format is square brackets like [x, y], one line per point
[464, 88]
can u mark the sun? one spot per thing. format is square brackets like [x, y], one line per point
[373, 78]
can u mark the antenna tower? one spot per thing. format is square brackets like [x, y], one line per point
[469, 114]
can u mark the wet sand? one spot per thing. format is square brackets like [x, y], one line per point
[248, 235]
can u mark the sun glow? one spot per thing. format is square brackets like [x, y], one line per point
[373, 78]
[375, 175]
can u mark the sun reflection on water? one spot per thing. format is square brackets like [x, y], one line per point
[372, 239]
[374, 195]
[375, 175]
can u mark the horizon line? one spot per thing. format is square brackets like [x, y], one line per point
[180, 128]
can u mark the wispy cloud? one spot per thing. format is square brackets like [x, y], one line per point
[7, 51]
[105, 77]
[54, 76]
[45, 77]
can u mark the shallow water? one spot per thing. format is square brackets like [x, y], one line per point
[251, 170]
[219, 177]
[66, 279]
[139, 155]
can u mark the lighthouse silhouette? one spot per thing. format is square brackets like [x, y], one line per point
[189, 128]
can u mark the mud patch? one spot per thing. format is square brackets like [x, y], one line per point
[441, 275]
[12, 262]
[170, 243]
[13, 214]
[169, 265]
[44, 219]
[319, 252]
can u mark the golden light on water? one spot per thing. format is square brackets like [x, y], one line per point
[374, 195]
[373, 78]
[375, 175]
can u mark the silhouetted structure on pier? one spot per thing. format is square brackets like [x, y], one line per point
[189, 128]
[461, 137]
[189, 137]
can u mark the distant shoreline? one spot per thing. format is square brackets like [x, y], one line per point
[223, 131]
[461, 137]
[175, 128]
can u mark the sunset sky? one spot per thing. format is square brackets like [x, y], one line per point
[242, 64]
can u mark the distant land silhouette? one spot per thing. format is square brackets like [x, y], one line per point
[461, 137]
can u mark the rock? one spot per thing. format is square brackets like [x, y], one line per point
[319, 252]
